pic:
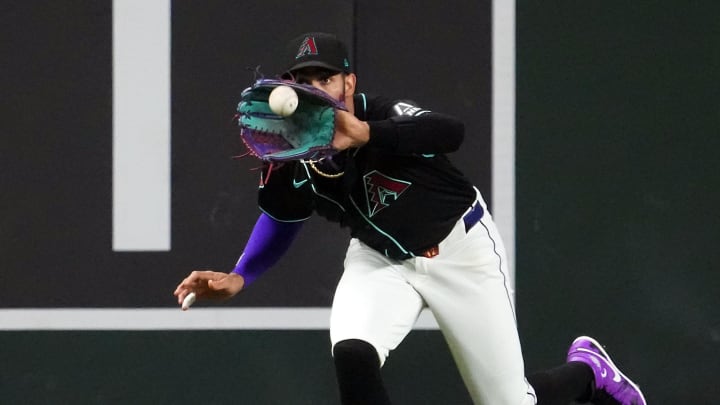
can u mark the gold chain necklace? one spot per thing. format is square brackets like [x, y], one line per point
[322, 173]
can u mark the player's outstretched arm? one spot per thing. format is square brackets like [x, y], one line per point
[268, 242]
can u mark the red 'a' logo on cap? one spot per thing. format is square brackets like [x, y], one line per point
[307, 47]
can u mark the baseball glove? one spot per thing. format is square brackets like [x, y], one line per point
[304, 135]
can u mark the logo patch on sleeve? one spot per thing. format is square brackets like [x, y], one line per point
[402, 108]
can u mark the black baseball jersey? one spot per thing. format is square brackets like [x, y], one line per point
[399, 193]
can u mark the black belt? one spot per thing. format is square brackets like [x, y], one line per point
[471, 218]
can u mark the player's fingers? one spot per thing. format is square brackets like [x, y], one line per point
[184, 285]
[221, 282]
[191, 283]
[179, 289]
[218, 281]
[217, 285]
[182, 294]
[195, 279]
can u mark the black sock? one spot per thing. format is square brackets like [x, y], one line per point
[563, 384]
[357, 367]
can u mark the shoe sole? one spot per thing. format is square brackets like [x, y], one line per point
[607, 358]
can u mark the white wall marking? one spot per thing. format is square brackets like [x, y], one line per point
[141, 125]
[503, 131]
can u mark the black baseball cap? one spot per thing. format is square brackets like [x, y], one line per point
[317, 49]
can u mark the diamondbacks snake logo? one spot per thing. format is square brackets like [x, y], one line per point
[381, 191]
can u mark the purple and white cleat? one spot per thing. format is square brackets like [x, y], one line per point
[611, 385]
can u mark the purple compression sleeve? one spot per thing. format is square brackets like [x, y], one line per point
[268, 242]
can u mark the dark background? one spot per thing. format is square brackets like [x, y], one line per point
[618, 185]
[617, 193]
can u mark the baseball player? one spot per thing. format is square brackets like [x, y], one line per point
[422, 236]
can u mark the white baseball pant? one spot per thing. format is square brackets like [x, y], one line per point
[468, 290]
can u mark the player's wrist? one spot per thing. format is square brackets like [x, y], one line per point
[242, 272]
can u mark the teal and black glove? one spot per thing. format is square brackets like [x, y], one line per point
[306, 134]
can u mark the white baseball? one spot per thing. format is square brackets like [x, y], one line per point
[283, 100]
[188, 301]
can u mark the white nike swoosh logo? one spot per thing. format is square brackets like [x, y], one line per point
[298, 184]
[603, 373]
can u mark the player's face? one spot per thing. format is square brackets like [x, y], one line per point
[332, 83]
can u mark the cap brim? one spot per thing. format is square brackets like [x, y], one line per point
[314, 63]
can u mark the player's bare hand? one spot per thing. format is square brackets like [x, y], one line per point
[349, 131]
[208, 284]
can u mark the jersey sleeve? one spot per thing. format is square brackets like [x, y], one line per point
[403, 127]
[285, 193]
[268, 242]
